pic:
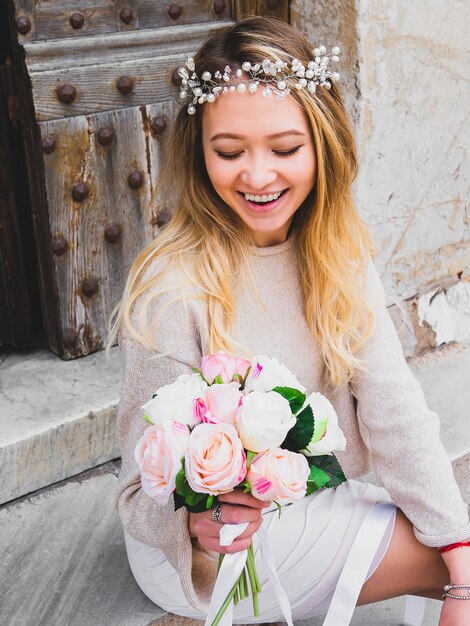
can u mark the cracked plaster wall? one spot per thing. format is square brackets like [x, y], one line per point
[405, 80]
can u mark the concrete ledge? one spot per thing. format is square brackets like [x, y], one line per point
[63, 561]
[57, 418]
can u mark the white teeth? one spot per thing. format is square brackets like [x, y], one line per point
[265, 198]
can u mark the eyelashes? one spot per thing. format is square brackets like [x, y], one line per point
[279, 153]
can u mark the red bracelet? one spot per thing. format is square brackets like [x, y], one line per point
[451, 546]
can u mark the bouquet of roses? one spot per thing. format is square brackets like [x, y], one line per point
[238, 423]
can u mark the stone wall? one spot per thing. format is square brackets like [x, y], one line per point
[405, 81]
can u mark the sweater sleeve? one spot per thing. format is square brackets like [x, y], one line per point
[402, 434]
[144, 371]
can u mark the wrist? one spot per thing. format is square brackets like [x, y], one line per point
[453, 546]
[457, 562]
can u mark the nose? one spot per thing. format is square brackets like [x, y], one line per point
[258, 173]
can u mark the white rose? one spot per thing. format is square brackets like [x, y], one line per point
[264, 420]
[267, 373]
[178, 402]
[327, 435]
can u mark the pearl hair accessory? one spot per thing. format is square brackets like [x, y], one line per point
[272, 76]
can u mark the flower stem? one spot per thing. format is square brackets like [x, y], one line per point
[254, 574]
[225, 605]
[254, 583]
[219, 564]
[236, 595]
[245, 584]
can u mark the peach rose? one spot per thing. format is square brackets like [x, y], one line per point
[215, 461]
[159, 454]
[221, 403]
[223, 365]
[279, 475]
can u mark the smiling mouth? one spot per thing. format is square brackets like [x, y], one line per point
[262, 199]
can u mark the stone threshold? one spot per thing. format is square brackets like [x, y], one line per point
[57, 418]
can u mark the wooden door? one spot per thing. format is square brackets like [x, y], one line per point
[96, 101]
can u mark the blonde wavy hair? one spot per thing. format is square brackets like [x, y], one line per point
[332, 243]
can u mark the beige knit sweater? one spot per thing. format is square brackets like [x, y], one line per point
[383, 413]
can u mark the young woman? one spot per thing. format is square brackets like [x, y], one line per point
[266, 254]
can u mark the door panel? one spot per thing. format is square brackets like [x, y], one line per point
[102, 210]
[97, 104]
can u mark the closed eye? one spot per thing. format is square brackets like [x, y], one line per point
[279, 153]
[286, 153]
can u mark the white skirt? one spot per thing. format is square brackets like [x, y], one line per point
[310, 542]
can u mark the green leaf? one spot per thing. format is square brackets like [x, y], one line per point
[209, 502]
[179, 501]
[316, 479]
[249, 457]
[295, 397]
[218, 380]
[147, 419]
[198, 371]
[300, 435]
[246, 486]
[182, 486]
[279, 509]
[194, 498]
[237, 378]
[185, 496]
[329, 465]
[198, 507]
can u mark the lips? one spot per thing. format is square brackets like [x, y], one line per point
[263, 207]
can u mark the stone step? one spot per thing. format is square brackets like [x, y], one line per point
[58, 418]
[63, 563]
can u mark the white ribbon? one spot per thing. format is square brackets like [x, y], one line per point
[231, 568]
[268, 560]
[357, 564]
[347, 590]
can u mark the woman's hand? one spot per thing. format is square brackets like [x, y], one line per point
[457, 612]
[237, 507]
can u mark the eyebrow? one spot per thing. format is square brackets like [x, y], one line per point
[275, 136]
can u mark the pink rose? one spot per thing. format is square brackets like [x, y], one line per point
[159, 454]
[279, 475]
[215, 461]
[223, 365]
[221, 403]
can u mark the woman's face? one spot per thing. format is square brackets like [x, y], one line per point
[260, 158]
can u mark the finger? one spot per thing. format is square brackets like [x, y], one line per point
[204, 523]
[212, 543]
[235, 514]
[250, 529]
[246, 499]
[248, 532]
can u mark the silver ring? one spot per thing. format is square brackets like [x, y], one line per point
[217, 513]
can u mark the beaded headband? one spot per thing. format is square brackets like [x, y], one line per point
[273, 75]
